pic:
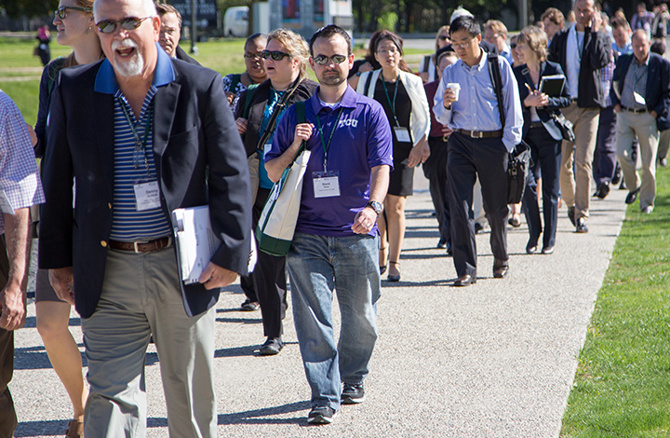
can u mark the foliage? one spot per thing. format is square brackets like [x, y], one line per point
[622, 387]
[28, 8]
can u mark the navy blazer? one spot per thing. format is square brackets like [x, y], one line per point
[596, 55]
[657, 93]
[199, 160]
[555, 103]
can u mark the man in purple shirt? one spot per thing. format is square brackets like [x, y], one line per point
[335, 243]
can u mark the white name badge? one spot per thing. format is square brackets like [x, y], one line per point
[326, 184]
[402, 134]
[147, 196]
[639, 99]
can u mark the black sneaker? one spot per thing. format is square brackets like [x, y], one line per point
[249, 306]
[353, 394]
[271, 347]
[321, 415]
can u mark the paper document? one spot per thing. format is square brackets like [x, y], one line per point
[195, 240]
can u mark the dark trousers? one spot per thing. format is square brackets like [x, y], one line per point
[8, 419]
[604, 161]
[268, 281]
[468, 158]
[546, 155]
[435, 169]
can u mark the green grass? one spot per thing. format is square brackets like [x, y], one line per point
[622, 385]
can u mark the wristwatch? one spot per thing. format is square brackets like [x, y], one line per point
[376, 206]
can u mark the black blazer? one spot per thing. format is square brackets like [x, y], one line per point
[199, 160]
[596, 55]
[555, 103]
[657, 93]
[305, 89]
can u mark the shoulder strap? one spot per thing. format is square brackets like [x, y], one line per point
[496, 81]
[300, 111]
[279, 107]
[234, 80]
[367, 83]
[426, 63]
[251, 90]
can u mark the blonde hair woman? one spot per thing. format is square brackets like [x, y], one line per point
[427, 66]
[74, 23]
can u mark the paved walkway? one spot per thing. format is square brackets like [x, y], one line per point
[496, 359]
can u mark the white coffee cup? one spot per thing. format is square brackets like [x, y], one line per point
[456, 87]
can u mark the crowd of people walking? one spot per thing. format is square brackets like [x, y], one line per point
[143, 130]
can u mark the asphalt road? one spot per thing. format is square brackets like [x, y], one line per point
[496, 359]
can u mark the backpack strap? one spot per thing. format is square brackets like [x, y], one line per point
[234, 80]
[300, 118]
[251, 90]
[367, 83]
[426, 63]
[496, 81]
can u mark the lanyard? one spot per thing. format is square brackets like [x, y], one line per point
[395, 94]
[140, 144]
[325, 145]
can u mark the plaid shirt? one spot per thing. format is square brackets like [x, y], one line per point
[19, 176]
[606, 74]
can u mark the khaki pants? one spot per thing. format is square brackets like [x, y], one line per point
[643, 125]
[576, 188]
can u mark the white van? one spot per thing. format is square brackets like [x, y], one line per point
[236, 22]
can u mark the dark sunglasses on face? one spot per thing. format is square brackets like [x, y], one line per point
[512, 46]
[323, 59]
[62, 11]
[276, 55]
[128, 23]
[443, 37]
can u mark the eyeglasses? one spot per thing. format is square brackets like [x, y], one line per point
[253, 56]
[62, 11]
[443, 37]
[128, 23]
[512, 46]
[463, 46]
[388, 52]
[324, 60]
[276, 55]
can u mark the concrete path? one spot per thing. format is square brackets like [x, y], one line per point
[496, 359]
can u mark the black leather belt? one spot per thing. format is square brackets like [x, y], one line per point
[536, 125]
[139, 247]
[481, 134]
[633, 110]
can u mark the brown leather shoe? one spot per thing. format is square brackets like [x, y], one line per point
[500, 269]
[75, 429]
[465, 280]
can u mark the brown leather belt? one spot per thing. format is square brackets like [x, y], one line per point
[481, 134]
[139, 247]
[637, 111]
[536, 124]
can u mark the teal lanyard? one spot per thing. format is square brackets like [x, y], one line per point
[140, 143]
[326, 146]
[395, 94]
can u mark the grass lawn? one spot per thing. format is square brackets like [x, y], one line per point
[622, 386]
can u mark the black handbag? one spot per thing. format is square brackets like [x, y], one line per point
[565, 126]
[519, 159]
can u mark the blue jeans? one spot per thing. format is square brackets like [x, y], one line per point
[317, 265]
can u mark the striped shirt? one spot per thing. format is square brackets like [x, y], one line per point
[19, 179]
[134, 164]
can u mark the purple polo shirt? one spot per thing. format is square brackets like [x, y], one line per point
[361, 141]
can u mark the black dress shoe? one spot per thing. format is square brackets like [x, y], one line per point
[548, 250]
[441, 243]
[571, 215]
[271, 347]
[449, 251]
[500, 269]
[602, 190]
[632, 196]
[479, 229]
[465, 280]
[581, 226]
[514, 221]
[616, 179]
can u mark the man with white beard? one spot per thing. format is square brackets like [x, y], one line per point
[142, 134]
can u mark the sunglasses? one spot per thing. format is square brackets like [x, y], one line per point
[323, 59]
[276, 55]
[62, 11]
[443, 37]
[512, 46]
[253, 55]
[128, 23]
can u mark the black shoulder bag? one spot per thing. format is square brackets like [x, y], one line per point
[519, 159]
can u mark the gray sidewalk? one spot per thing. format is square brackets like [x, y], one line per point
[496, 359]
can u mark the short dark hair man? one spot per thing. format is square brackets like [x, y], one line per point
[170, 33]
[479, 146]
[336, 240]
[143, 135]
[641, 97]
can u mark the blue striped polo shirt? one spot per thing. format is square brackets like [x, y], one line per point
[134, 160]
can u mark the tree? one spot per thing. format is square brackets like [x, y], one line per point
[28, 8]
